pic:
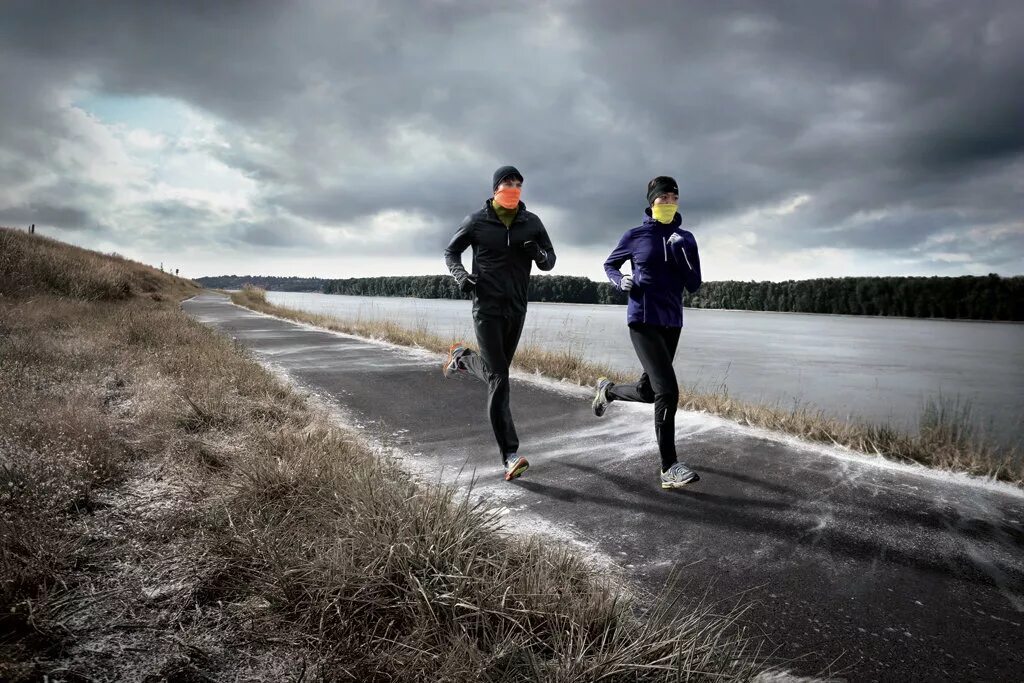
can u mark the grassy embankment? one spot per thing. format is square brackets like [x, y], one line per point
[169, 509]
[947, 438]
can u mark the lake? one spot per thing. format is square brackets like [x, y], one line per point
[863, 368]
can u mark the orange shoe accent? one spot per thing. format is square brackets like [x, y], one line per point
[521, 467]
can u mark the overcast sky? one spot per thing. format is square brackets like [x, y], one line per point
[342, 139]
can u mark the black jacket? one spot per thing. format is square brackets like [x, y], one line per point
[500, 263]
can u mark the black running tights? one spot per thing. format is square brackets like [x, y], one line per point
[656, 348]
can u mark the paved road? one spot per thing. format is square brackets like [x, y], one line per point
[883, 572]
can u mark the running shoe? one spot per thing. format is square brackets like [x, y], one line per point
[515, 466]
[678, 476]
[451, 364]
[601, 400]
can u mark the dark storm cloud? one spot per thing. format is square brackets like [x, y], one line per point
[992, 135]
[854, 104]
[67, 217]
[279, 232]
[899, 121]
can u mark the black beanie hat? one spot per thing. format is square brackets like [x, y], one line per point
[505, 172]
[660, 186]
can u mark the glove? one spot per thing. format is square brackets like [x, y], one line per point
[626, 283]
[534, 251]
[673, 238]
[468, 283]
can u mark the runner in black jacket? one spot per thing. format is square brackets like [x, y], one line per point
[506, 240]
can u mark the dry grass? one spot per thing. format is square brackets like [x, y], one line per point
[35, 265]
[162, 490]
[946, 438]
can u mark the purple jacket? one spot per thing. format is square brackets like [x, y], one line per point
[660, 271]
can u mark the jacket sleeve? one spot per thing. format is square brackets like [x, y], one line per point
[544, 242]
[688, 260]
[622, 252]
[462, 239]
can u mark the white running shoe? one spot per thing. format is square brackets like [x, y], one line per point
[601, 400]
[678, 476]
[515, 466]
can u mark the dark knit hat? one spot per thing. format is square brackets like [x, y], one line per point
[506, 172]
[660, 186]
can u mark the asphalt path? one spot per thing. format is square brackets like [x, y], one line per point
[847, 565]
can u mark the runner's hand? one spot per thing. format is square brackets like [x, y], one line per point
[534, 251]
[673, 238]
[468, 283]
[626, 283]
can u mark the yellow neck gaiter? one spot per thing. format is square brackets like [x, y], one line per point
[664, 213]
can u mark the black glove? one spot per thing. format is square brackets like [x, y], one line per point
[468, 283]
[534, 251]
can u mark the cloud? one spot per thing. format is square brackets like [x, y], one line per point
[866, 130]
[66, 217]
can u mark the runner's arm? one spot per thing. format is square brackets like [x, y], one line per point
[622, 253]
[544, 242]
[462, 239]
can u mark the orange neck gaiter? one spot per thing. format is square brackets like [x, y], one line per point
[508, 197]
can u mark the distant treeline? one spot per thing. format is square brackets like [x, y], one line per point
[559, 288]
[267, 282]
[988, 297]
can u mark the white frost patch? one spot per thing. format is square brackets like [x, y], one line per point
[165, 590]
[960, 479]
[786, 677]
[1005, 585]
[148, 496]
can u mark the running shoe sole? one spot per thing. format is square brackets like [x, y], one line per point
[521, 467]
[446, 368]
[598, 405]
[680, 484]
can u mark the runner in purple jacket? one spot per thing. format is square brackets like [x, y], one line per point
[663, 260]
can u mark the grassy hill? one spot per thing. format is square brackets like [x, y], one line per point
[32, 265]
